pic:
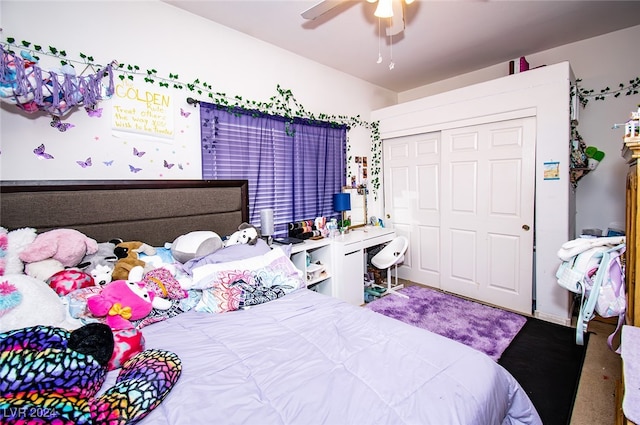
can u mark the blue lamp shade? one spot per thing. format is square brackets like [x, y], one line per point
[341, 202]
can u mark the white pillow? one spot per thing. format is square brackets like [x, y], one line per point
[208, 275]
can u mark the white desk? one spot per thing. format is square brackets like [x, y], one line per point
[344, 261]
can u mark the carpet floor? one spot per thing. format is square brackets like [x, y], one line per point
[547, 363]
[479, 326]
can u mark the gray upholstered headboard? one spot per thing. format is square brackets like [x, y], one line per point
[151, 211]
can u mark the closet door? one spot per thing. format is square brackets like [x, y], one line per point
[487, 223]
[412, 202]
[465, 199]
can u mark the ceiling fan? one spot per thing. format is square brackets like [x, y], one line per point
[392, 9]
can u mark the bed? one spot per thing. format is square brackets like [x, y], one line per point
[302, 358]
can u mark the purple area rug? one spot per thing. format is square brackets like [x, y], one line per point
[487, 329]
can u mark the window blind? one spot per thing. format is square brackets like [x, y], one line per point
[293, 167]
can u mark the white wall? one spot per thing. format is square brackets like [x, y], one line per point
[600, 62]
[152, 34]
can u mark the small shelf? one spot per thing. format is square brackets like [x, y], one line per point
[315, 251]
[578, 173]
[323, 276]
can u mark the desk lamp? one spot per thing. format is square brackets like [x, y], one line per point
[266, 224]
[342, 203]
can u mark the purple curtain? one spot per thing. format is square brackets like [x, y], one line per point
[293, 167]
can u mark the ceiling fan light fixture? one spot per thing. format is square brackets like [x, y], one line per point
[384, 9]
[408, 1]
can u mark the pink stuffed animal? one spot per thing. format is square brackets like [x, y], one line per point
[121, 301]
[65, 245]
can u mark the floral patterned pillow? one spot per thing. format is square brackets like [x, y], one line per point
[251, 282]
[220, 299]
[275, 264]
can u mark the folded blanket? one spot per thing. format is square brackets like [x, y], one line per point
[574, 247]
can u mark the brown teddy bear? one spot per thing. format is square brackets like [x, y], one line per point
[127, 253]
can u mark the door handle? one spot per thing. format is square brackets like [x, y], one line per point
[525, 227]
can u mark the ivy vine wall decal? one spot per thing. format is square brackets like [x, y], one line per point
[283, 103]
[585, 94]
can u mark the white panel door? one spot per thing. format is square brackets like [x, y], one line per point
[465, 200]
[412, 202]
[486, 226]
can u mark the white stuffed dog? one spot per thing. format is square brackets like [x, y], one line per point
[246, 234]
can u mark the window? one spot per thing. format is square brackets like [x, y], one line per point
[293, 167]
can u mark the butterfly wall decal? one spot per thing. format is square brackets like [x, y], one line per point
[134, 169]
[61, 126]
[84, 164]
[184, 113]
[41, 154]
[167, 165]
[108, 163]
[94, 112]
[137, 153]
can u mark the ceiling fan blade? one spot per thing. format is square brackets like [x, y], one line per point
[320, 9]
[396, 22]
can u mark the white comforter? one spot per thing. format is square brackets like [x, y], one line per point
[310, 359]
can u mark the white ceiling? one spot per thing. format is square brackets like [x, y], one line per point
[442, 39]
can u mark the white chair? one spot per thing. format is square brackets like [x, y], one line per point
[390, 256]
